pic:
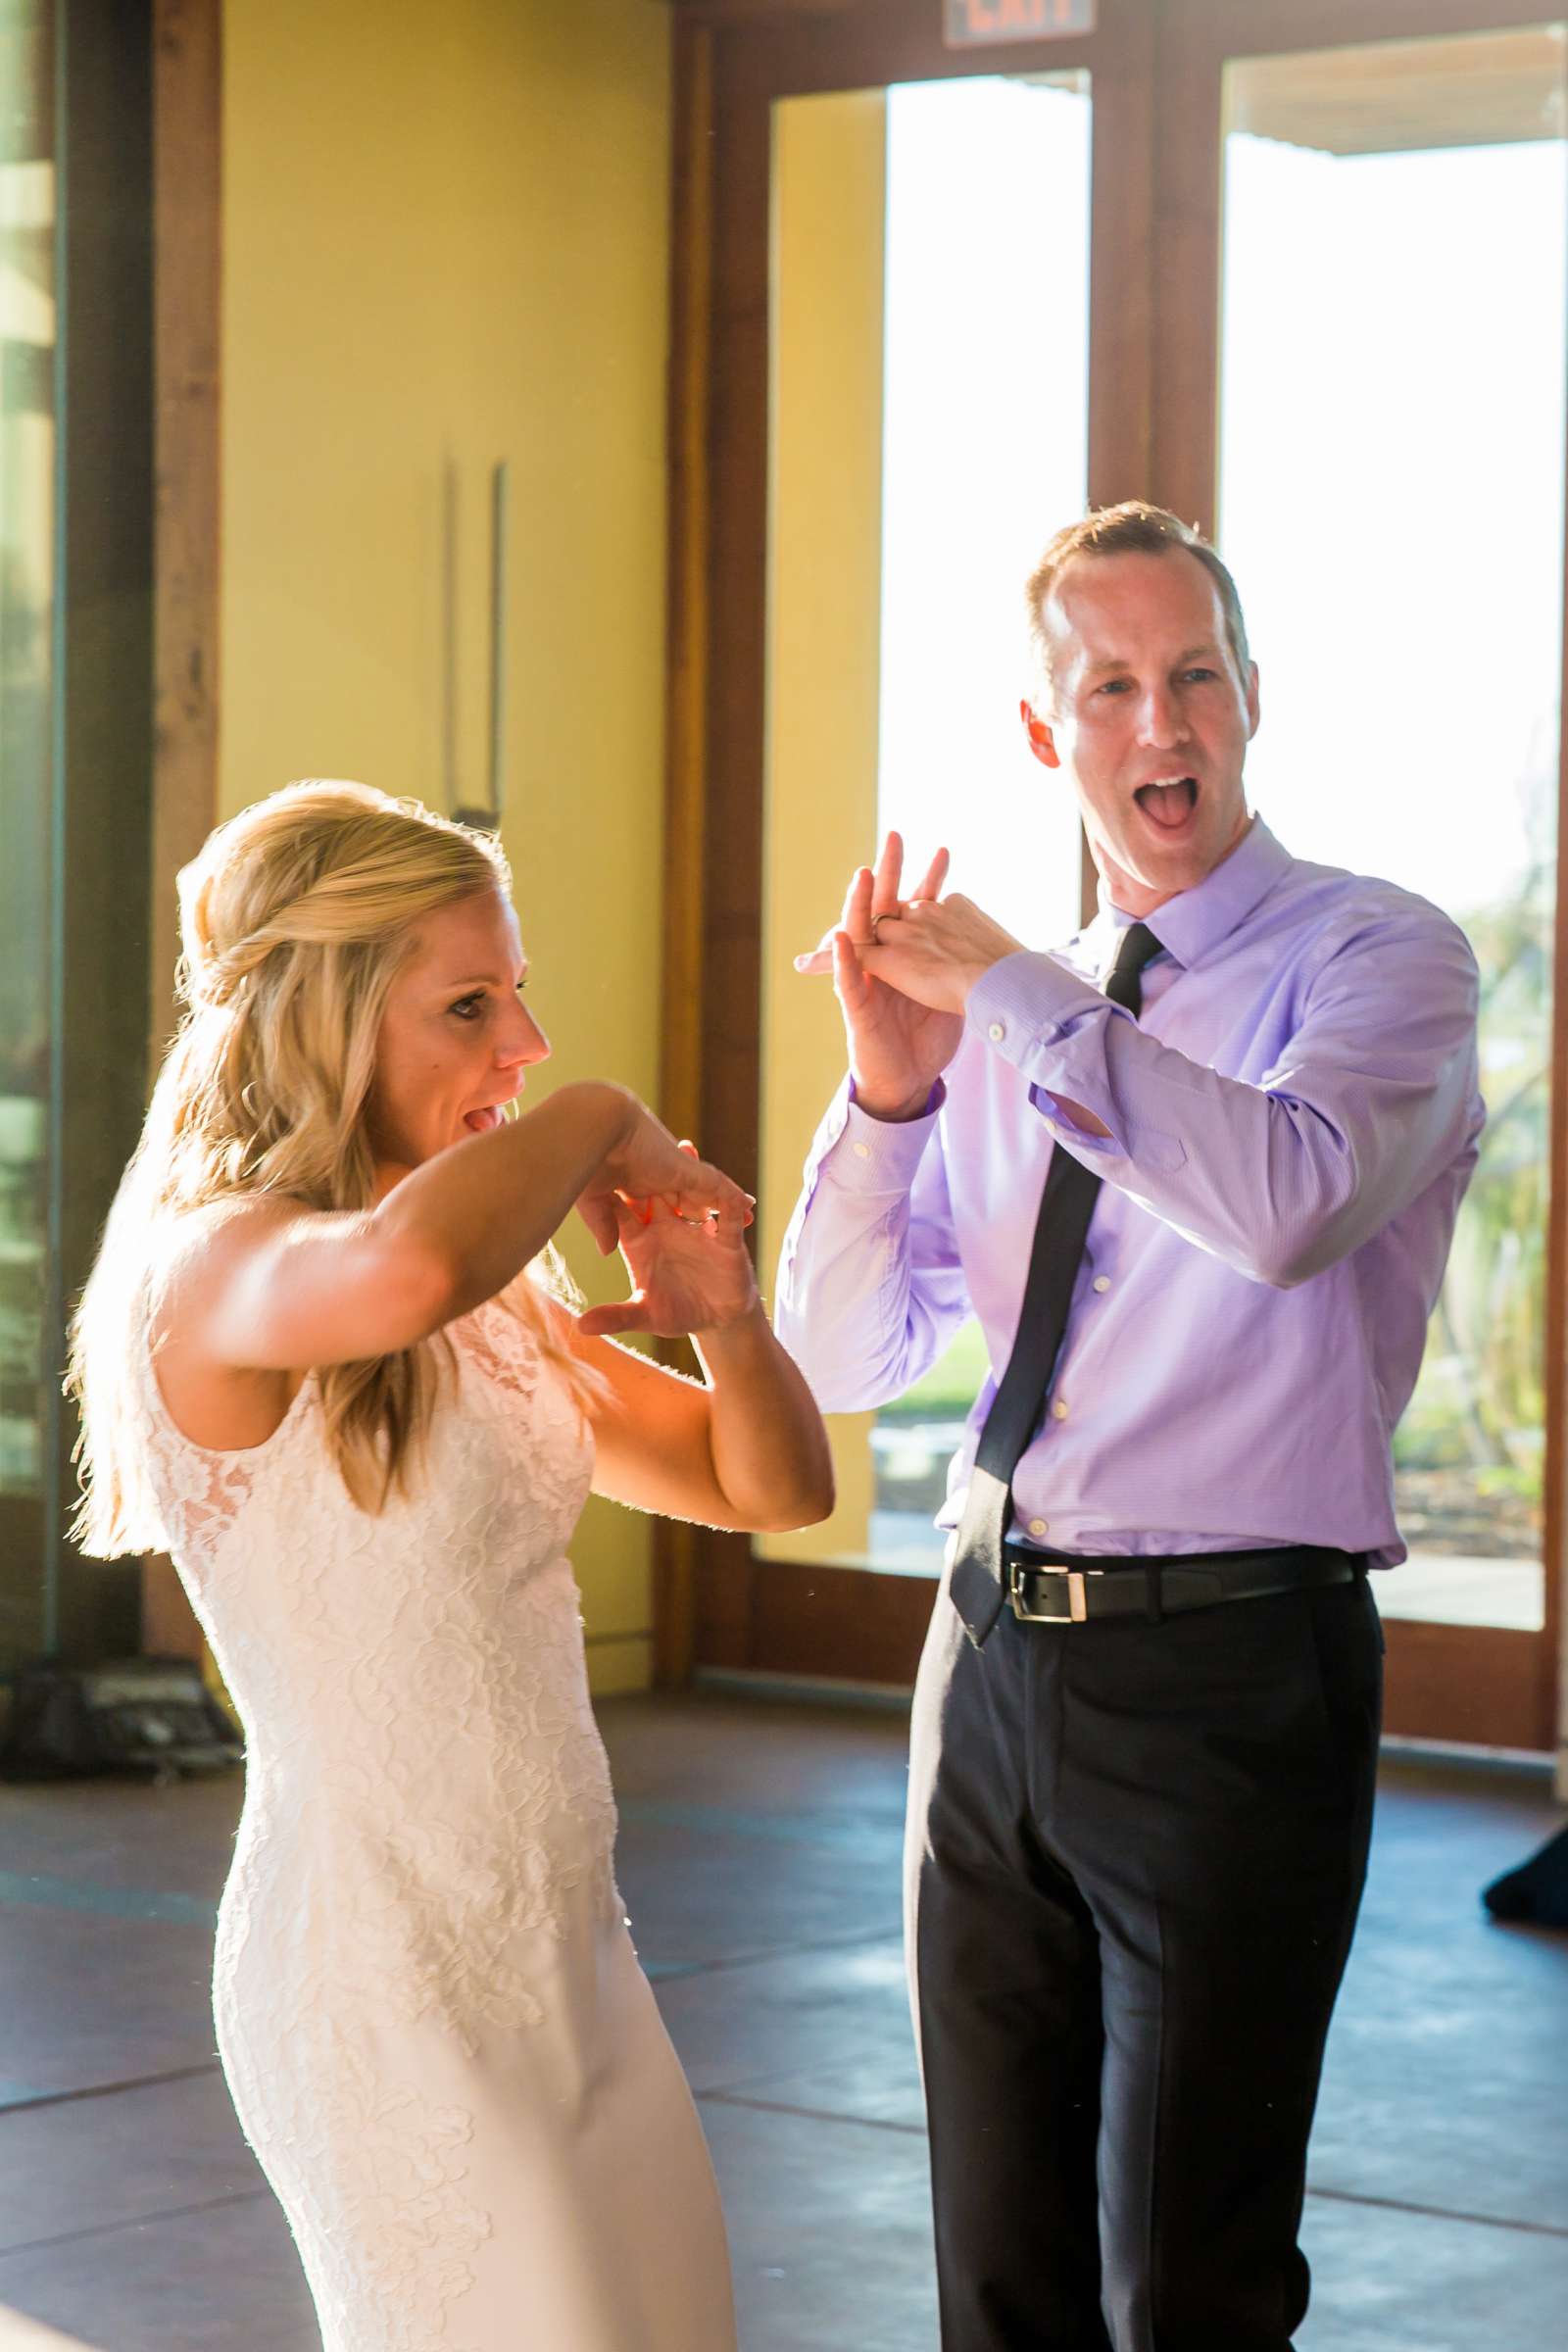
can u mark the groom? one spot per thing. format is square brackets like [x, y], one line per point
[1195, 1173]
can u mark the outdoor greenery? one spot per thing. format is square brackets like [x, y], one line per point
[1480, 1404]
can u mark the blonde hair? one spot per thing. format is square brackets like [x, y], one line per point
[295, 918]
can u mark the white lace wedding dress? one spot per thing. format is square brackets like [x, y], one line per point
[436, 2033]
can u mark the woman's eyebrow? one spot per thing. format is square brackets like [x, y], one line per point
[483, 980]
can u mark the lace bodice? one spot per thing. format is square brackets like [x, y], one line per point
[324, 1618]
[420, 1667]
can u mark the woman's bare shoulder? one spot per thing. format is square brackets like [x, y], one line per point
[194, 1246]
[195, 1254]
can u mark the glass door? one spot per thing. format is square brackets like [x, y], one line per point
[29, 1398]
[1388, 377]
[76, 748]
[906, 301]
[1312, 296]
[929, 395]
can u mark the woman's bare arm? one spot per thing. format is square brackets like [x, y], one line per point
[745, 1447]
[745, 1450]
[275, 1287]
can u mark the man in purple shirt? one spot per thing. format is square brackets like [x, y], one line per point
[1147, 1718]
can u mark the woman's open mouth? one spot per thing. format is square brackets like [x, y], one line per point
[1169, 807]
[481, 1122]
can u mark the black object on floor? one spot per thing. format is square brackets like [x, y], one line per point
[143, 1715]
[1538, 1892]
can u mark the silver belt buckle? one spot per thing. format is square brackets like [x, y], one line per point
[1077, 1593]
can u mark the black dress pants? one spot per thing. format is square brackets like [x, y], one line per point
[1135, 1856]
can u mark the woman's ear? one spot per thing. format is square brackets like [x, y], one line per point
[1041, 742]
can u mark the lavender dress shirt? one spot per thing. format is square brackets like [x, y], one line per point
[1294, 1119]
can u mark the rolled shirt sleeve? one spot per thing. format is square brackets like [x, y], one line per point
[1370, 1099]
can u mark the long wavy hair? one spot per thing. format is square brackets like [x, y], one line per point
[295, 918]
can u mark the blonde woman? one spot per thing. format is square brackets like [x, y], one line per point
[322, 1362]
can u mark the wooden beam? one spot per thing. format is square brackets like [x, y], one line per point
[187, 231]
[188, 244]
[1395, 97]
[751, 11]
[685, 717]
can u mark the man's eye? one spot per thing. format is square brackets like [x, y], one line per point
[1200, 677]
[1114, 686]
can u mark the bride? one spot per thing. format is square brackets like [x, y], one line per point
[327, 1360]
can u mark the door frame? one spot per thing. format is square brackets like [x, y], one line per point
[1156, 74]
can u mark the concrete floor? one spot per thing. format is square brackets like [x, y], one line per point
[759, 1861]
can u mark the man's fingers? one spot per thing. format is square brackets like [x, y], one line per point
[849, 976]
[888, 874]
[856, 917]
[936, 873]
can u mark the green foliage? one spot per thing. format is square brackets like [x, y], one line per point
[1480, 1400]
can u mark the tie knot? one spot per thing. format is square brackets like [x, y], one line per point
[1137, 946]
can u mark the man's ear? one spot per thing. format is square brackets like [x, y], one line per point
[1041, 742]
[1253, 707]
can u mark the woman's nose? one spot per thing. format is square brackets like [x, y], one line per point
[525, 1041]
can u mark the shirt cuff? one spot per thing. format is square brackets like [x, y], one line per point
[880, 1156]
[1028, 1001]
[1042, 1018]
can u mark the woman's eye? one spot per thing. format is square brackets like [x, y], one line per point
[467, 1009]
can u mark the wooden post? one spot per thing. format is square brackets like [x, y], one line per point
[187, 225]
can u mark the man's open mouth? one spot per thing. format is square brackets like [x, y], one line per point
[1168, 806]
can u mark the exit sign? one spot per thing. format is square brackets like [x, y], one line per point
[973, 23]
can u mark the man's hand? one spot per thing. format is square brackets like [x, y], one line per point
[933, 952]
[899, 1047]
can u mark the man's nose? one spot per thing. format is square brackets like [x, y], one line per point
[1159, 716]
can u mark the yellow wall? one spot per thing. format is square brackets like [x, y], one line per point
[445, 229]
[824, 652]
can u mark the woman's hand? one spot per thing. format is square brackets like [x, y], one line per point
[686, 1276]
[647, 1167]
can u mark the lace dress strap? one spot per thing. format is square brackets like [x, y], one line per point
[200, 1490]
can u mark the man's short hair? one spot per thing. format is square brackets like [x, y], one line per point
[1132, 528]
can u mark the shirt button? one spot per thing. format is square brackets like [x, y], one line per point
[1060, 1408]
[996, 1032]
[862, 1150]
[1040, 1527]
[1101, 1283]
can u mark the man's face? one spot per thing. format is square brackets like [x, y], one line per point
[1150, 717]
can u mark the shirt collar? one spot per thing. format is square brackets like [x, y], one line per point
[1202, 918]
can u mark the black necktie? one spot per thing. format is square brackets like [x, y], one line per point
[1060, 1230]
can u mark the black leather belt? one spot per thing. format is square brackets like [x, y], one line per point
[1042, 1591]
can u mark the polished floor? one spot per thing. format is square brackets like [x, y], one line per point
[759, 1861]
